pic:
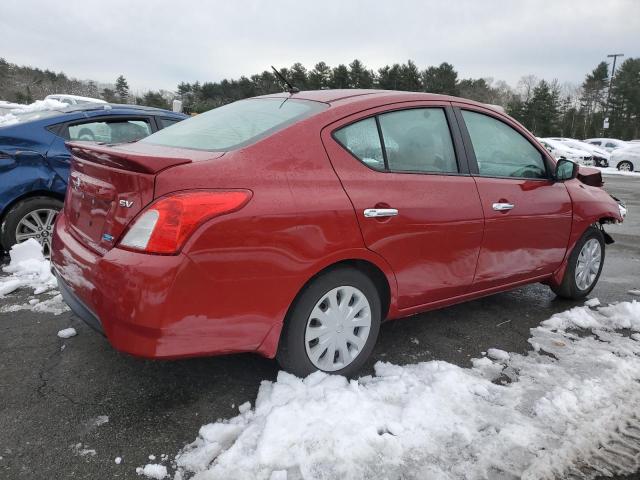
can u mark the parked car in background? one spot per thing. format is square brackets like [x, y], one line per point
[560, 150]
[627, 159]
[292, 225]
[73, 99]
[600, 156]
[34, 160]
[609, 144]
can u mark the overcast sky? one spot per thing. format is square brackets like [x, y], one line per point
[158, 43]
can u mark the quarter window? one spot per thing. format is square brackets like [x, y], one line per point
[418, 140]
[362, 140]
[500, 150]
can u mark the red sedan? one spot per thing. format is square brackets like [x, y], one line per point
[291, 225]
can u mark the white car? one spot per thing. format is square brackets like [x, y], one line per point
[600, 156]
[560, 150]
[626, 159]
[609, 144]
[73, 99]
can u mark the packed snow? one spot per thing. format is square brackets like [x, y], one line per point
[37, 106]
[67, 333]
[568, 407]
[592, 302]
[615, 171]
[153, 470]
[28, 269]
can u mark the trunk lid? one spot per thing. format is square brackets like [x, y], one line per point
[109, 186]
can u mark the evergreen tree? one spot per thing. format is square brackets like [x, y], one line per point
[340, 77]
[154, 99]
[122, 89]
[359, 76]
[624, 117]
[298, 76]
[389, 77]
[108, 95]
[410, 77]
[442, 79]
[319, 77]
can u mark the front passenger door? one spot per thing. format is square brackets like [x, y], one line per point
[527, 214]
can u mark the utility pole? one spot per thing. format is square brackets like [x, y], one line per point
[615, 56]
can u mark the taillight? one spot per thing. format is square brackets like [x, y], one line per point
[164, 226]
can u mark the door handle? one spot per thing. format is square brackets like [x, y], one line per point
[380, 212]
[500, 207]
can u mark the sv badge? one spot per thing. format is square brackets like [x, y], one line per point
[126, 203]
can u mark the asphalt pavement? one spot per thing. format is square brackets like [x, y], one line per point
[55, 393]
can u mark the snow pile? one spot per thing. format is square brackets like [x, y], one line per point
[29, 269]
[37, 106]
[567, 408]
[153, 470]
[67, 333]
[614, 171]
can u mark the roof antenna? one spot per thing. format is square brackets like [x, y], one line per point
[292, 89]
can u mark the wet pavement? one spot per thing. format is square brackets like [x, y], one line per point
[52, 398]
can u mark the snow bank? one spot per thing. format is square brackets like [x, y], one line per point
[615, 171]
[569, 407]
[37, 106]
[29, 269]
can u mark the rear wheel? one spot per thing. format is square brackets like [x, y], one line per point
[584, 267]
[332, 326]
[30, 218]
[625, 166]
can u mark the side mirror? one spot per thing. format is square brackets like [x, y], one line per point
[566, 170]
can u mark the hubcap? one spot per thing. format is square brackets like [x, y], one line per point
[588, 264]
[625, 167]
[338, 328]
[37, 224]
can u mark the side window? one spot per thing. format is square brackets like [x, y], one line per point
[362, 140]
[166, 122]
[597, 142]
[500, 150]
[110, 131]
[418, 140]
[610, 145]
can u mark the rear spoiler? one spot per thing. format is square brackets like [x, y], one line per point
[116, 157]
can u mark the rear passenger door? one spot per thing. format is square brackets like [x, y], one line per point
[417, 206]
[527, 214]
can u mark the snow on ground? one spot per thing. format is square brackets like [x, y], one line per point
[153, 470]
[29, 269]
[37, 106]
[615, 171]
[568, 407]
[67, 333]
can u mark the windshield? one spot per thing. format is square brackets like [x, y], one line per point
[235, 125]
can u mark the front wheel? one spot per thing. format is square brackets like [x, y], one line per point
[30, 218]
[332, 326]
[584, 266]
[625, 166]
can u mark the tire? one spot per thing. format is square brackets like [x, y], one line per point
[625, 166]
[570, 287]
[38, 206]
[343, 285]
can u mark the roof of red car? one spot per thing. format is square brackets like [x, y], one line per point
[331, 96]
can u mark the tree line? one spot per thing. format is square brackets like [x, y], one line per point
[547, 108]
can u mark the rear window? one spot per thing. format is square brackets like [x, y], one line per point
[235, 125]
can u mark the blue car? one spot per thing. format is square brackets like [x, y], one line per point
[34, 161]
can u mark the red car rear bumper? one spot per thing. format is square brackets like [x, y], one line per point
[144, 304]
